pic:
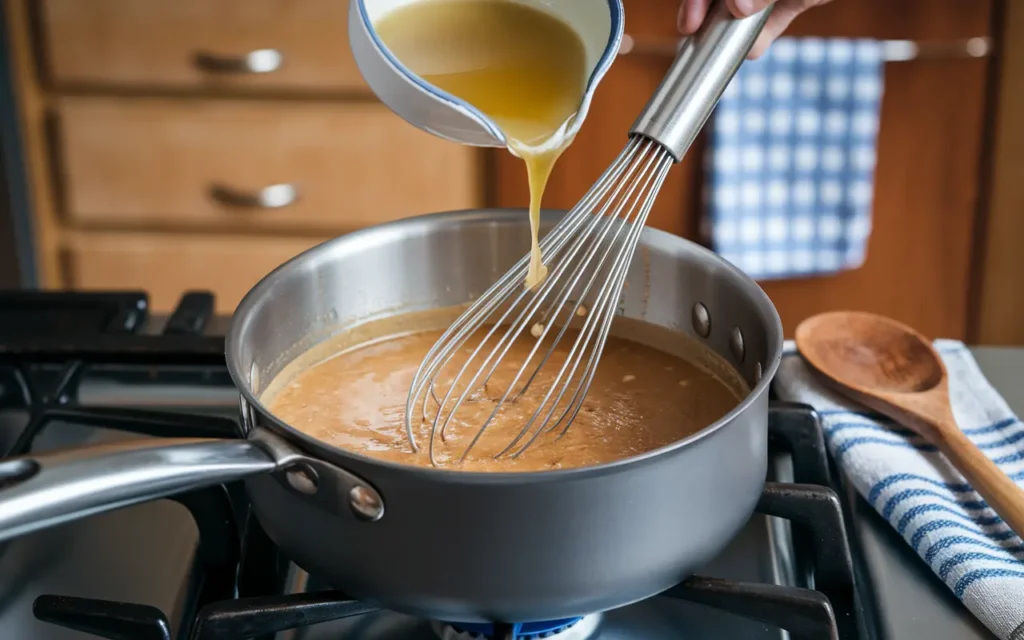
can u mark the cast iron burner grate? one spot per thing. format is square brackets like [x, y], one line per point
[243, 572]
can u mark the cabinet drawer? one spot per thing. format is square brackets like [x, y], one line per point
[200, 43]
[203, 164]
[168, 265]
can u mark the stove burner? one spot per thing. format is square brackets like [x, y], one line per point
[565, 629]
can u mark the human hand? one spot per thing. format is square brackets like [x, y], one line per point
[692, 13]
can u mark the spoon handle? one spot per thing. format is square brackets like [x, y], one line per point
[998, 490]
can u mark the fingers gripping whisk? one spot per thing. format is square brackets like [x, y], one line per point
[528, 356]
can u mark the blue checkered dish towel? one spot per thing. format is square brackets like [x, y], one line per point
[921, 495]
[791, 158]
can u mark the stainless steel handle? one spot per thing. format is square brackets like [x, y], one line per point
[274, 196]
[258, 61]
[40, 491]
[704, 66]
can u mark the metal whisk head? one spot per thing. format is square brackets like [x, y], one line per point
[562, 324]
[588, 254]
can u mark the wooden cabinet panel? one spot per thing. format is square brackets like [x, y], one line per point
[154, 43]
[920, 255]
[167, 265]
[927, 184]
[167, 163]
[1000, 294]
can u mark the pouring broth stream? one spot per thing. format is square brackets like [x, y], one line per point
[524, 68]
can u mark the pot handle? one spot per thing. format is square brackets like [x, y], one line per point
[40, 491]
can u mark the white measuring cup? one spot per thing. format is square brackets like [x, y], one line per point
[598, 23]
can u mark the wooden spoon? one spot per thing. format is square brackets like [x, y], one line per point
[894, 370]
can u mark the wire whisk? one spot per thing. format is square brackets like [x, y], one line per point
[588, 254]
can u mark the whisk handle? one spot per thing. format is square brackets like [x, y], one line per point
[704, 66]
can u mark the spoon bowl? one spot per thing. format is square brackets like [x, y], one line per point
[889, 367]
[896, 359]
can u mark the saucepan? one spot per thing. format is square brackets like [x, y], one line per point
[444, 544]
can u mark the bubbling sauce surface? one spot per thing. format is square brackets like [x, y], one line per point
[353, 396]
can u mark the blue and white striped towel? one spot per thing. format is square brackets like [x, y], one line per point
[921, 495]
[792, 150]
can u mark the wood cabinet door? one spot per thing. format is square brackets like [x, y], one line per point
[289, 45]
[919, 258]
[160, 163]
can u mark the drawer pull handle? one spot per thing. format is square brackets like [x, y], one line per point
[275, 196]
[258, 61]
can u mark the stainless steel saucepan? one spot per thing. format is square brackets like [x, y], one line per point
[467, 547]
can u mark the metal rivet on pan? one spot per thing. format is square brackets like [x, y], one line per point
[366, 503]
[757, 372]
[701, 320]
[736, 345]
[302, 478]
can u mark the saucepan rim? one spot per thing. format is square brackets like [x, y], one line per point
[651, 237]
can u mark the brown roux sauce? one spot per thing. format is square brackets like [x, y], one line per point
[350, 392]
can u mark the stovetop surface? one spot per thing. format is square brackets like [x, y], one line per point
[147, 554]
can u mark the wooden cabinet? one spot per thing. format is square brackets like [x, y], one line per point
[163, 124]
[199, 44]
[928, 177]
[201, 143]
[290, 167]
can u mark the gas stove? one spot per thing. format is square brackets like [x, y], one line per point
[79, 369]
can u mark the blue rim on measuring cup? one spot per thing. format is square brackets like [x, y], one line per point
[604, 62]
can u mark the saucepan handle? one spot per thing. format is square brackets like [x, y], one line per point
[40, 491]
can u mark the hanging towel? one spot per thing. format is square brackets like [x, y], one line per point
[921, 495]
[791, 161]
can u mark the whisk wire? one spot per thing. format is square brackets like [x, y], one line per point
[567, 286]
[499, 351]
[592, 320]
[620, 271]
[600, 321]
[590, 248]
[482, 307]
